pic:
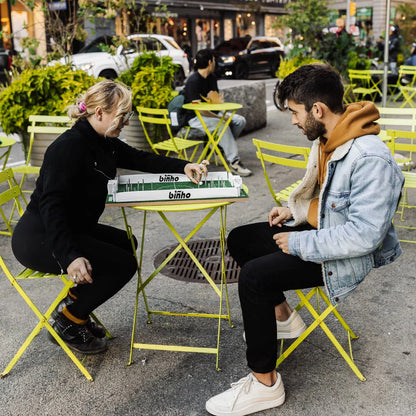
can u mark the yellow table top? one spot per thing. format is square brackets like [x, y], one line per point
[6, 141]
[212, 107]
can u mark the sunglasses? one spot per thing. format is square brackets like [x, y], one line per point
[127, 117]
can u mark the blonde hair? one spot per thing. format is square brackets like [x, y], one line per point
[106, 94]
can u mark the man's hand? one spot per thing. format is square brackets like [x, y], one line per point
[282, 240]
[279, 215]
[79, 271]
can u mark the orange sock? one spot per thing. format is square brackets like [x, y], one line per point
[71, 295]
[72, 318]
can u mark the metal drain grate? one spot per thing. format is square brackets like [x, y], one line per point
[208, 253]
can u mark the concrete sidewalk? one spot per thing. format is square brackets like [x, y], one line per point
[316, 378]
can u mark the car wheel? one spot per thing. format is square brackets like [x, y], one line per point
[178, 78]
[241, 71]
[273, 70]
[108, 73]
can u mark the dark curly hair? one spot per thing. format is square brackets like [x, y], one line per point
[310, 84]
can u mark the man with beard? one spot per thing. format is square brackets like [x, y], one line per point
[336, 227]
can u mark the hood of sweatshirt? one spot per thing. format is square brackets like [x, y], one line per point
[357, 120]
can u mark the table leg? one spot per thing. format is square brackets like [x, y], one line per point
[6, 155]
[219, 316]
[212, 141]
[139, 277]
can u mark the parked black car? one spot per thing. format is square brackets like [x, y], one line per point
[241, 57]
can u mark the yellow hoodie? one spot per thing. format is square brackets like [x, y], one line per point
[357, 120]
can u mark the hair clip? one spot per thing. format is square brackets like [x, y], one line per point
[82, 107]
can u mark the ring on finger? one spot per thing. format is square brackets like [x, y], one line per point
[74, 277]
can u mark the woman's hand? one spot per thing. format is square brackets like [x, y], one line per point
[279, 215]
[194, 171]
[79, 271]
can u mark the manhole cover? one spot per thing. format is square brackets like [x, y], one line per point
[208, 253]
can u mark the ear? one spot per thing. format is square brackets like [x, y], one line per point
[319, 109]
[98, 113]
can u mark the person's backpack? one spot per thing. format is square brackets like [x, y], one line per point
[176, 113]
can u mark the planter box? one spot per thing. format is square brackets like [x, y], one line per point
[134, 136]
[40, 144]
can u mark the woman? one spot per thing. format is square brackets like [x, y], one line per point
[60, 233]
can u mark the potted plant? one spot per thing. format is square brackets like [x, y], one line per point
[43, 91]
[150, 78]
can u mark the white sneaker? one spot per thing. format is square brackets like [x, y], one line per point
[291, 328]
[239, 169]
[247, 396]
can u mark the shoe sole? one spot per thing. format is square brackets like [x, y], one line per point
[75, 348]
[253, 408]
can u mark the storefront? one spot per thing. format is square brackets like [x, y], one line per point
[199, 25]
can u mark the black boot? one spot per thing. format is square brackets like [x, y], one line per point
[97, 330]
[78, 337]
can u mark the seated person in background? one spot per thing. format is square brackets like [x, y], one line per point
[59, 231]
[201, 84]
[338, 225]
[410, 61]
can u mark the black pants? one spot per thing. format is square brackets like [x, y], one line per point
[107, 248]
[265, 273]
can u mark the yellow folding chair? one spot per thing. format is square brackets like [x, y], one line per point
[409, 183]
[407, 71]
[9, 196]
[271, 152]
[319, 318]
[363, 84]
[160, 117]
[408, 96]
[280, 154]
[44, 125]
[405, 143]
[396, 118]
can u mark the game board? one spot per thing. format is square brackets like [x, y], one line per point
[174, 188]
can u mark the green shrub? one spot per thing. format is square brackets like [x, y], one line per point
[47, 90]
[287, 66]
[152, 84]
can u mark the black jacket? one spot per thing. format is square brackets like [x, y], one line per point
[71, 190]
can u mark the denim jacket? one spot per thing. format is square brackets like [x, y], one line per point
[357, 202]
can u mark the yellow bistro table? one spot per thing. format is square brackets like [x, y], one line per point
[215, 136]
[162, 209]
[6, 144]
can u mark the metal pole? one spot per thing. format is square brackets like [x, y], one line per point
[348, 22]
[386, 54]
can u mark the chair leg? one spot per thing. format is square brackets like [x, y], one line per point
[43, 322]
[319, 321]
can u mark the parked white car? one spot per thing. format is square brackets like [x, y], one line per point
[103, 64]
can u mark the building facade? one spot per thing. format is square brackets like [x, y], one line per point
[203, 24]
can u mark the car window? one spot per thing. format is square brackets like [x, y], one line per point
[256, 44]
[274, 44]
[147, 44]
[172, 43]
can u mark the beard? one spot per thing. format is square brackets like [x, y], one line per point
[313, 128]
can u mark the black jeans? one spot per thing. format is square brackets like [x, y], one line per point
[107, 248]
[265, 273]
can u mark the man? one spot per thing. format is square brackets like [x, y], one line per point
[202, 83]
[337, 226]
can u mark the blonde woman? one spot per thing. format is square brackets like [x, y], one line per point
[59, 231]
